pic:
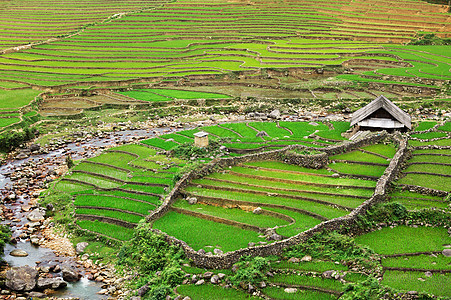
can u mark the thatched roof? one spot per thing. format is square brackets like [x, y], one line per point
[382, 102]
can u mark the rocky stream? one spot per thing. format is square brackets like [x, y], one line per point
[42, 262]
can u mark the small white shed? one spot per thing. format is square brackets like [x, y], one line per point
[201, 139]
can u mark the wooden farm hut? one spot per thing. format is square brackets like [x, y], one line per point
[201, 139]
[381, 114]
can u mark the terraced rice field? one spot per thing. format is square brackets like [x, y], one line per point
[247, 137]
[31, 21]
[430, 167]
[115, 190]
[369, 162]
[406, 260]
[292, 199]
[70, 104]
[158, 40]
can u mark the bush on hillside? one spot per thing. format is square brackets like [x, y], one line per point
[158, 263]
[429, 39]
[5, 236]
[251, 270]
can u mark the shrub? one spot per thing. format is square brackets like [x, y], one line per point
[384, 212]
[366, 290]
[157, 262]
[429, 39]
[5, 235]
[251, 270]
[69, 162]
[62, 203]
[336, 247]
[187, 150]
[11, 139]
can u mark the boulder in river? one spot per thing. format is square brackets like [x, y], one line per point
[51, 283]
[21, 279]
[81, 247]
[18, 253]
[34, 147]
[69, 274]
[35, 216]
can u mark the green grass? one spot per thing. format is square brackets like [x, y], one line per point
[69, 187]
[98, 181]
[178, 138]
[8, 121]
[311, 266]
[442, 142]
[431, 158]
[409, 194]
[340, 197]
[111, 230]
[415, 204]
[11, 85]
[120, 160]
[358, 169]
[103, 170]
[326, 211]
[388, 150]
[355, 277]
[234, 214]
[277, 165]
[151, 179]
[244, 130]
[408, 281]
[271, 185]
[145, 96]
[199, 233]
[303, 178]
[151, 199]
[270, 128]
[425, 125]
[113, 202]
[138, 149]
[144, 188]
[429, 181]
[159, 143]
[399, 239]
[295, 279]
[301, 129]
[180, 94]
[278, 293]
[430, 168]
[436, 151]
[429, 135]
[17, 98]
[302, 222]
[359, 156]
[335, 134]
[445, 127]
[440, 262]
[209, 291]
[108, 213]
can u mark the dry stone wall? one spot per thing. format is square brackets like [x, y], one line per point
[226, 260]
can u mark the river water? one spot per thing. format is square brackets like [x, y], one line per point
[83, 289]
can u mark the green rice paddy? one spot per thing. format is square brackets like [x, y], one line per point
[399, 239]
[126, 193]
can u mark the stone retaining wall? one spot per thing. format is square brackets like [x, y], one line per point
[423, 190]
[226, 260]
